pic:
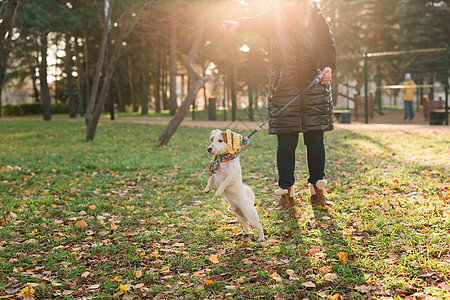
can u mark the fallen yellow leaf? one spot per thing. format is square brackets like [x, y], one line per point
[343, 256]
[138, 274]
[214, 259]
[335, 297]
[27, 292]
[207, 282]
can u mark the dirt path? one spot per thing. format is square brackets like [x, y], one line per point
[389, 121]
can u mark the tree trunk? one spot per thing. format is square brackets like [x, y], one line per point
[92, 126]
[157, 78]
[8, 18]
[95, 84]
[32, 69]
[123, 33]
[145, 85]
[119, 92]
[205, 99]
[173, 65]
[233, 92]
[87, 77]
[57, 82]
[130, 82]
[112, 116]
[5, 50]
[70, 93]
[194, 88]
[80, 84]
[45, 93]
[165, 100]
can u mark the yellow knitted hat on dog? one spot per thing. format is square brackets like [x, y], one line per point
[235, 141]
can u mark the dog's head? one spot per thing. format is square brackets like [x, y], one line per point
[219, 143]
[224, 142]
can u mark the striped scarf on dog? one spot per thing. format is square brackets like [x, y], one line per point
[214, 165]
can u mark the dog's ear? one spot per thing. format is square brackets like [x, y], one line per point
[224, 136]
[213, 133]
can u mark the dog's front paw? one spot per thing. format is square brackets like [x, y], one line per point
[218, 194]
[207, 190]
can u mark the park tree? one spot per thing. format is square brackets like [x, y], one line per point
[381, 35]
[86, 46]
[132, 12]
[200, 53]
[34, 22]
[8, 12]
[349, 27]
[165, 22]
[379, 26]
[66, 23]
[424, 25]
[194, 88]
[38, 23]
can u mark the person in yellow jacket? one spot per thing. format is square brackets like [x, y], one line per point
[409, 89]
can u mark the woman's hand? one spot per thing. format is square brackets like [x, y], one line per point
[228, 26]
[327, 75]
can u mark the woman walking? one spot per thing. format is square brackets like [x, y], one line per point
[301, 45]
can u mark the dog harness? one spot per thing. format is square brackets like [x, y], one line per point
[234, 142]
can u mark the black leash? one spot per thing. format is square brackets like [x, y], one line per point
[310, 86]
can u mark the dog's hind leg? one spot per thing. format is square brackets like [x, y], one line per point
[252, 217]
[249, 192]
[241, 218]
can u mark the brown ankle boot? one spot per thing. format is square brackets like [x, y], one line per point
[286, 199]
[317, 193]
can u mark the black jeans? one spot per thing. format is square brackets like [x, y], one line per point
[315, 155]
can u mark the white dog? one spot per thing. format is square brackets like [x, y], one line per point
[227, 175]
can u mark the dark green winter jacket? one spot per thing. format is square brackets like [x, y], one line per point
[297, 56]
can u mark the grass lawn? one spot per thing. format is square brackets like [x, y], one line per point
[118, 218]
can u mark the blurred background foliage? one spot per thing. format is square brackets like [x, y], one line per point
[69, 34]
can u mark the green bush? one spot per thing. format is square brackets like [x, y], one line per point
[60, 108]
[28, 109]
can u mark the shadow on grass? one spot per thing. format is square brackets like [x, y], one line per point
[329, 252]
[322, 257]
